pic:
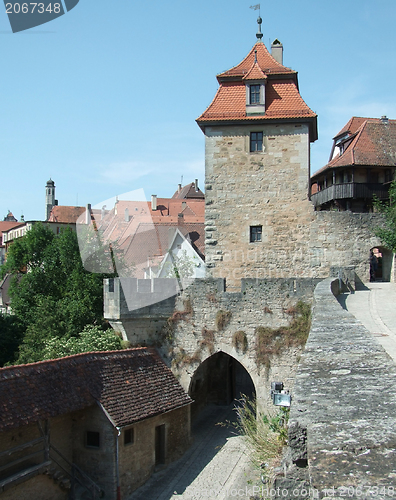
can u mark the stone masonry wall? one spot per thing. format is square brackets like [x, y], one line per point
[270, 189]
[195, 334]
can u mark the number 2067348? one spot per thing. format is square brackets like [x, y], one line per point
[30, 8]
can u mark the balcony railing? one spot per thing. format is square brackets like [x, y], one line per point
[352, 190]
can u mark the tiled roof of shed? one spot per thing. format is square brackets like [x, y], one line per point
[131, 385]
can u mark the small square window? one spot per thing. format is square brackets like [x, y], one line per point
[256, 141]
[255, 233]
[254, 94]
[128, 436]
[92, 439]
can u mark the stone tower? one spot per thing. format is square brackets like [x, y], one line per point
[49, 197]
[258, 131]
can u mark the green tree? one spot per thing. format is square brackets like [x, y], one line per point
[387, 233]
[92, 338]
[11, 334]
[52, 295]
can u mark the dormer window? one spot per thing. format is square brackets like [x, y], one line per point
[255, 98]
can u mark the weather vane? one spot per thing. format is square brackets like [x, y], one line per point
[256, 7]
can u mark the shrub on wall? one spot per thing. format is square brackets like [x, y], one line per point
[271, 341]
[239, 341]
[222, 319]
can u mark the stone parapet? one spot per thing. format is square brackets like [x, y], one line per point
[342, 423]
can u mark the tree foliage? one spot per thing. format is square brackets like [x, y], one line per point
[92, 338]
[56, 298]
[387, 233]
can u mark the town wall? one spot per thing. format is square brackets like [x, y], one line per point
[342, 421]
[270, 189]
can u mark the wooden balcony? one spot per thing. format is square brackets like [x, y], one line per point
[349, 190]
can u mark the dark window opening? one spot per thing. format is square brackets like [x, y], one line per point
[92, 439]
[111, 285]
[254, 94]
[256, 141]
[128, 436]
[255, 233]
[160, 444]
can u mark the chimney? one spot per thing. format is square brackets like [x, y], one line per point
[277, 51]
[196, 186]
[126, 215]
[384, 119]
[153, 202]
[88, 214]
[179, 188]
[184, 204]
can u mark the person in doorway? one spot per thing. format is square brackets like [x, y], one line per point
[373, 265]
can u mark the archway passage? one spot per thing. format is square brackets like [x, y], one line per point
[383, 264]
[220, 379]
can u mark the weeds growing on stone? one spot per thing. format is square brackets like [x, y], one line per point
[270, 341]
[239, 341]
[265, 435]
[222, 319]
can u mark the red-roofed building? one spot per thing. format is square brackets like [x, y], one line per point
[91, 417]
[146, 232]
[362, 164]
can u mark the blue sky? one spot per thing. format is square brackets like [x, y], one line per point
[104, 99]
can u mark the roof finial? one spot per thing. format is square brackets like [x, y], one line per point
[259, 35]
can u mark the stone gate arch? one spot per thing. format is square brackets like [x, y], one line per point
[219, 379]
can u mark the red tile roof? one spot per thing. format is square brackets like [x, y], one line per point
[283, 100]
[65, 214]
[131, 385]
[188, 192]
[255, 73]
[266, 62]
[373, 143]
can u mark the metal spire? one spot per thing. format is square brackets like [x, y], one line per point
[259, 35]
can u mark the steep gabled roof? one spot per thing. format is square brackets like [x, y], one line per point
[189, 192]
[65, 214]
[372, 143]
[130, 385]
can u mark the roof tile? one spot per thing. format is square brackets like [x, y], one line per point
[131, 385]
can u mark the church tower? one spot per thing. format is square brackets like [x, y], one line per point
[258, 131]
[49, 197]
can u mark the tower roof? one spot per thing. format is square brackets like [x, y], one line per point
[265, 61]
[282, 97]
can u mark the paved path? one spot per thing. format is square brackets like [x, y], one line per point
[375, 307]
[215, 466]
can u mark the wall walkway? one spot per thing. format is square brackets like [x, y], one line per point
[343, 416]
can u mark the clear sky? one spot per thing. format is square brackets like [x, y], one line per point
[104, 99]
